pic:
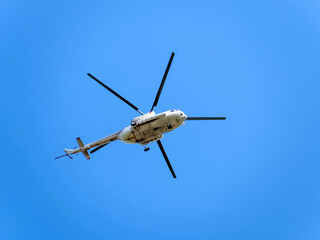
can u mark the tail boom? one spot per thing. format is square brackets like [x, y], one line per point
[84, 148]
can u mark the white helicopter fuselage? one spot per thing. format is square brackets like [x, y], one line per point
[144, 129]
[150, 127]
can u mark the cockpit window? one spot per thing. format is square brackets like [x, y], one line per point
[172, 110]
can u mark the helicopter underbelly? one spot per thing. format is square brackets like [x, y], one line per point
[150, 132]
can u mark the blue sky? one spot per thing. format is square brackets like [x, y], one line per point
[253, 176]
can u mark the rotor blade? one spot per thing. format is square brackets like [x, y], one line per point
[206, 118]
[97, 148]
[166, 158]
[65, 155]
[122, 98]
[162, 82]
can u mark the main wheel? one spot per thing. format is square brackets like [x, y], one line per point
[146, 149]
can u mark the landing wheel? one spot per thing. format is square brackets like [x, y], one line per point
[146, 149]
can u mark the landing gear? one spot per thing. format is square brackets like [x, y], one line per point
[146, 149]
[169, 126]
[144, 144]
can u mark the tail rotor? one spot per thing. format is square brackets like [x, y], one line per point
[65, 155]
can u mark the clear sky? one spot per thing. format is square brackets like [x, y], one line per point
[253, 176]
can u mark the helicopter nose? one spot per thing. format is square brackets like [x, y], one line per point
[183, 116]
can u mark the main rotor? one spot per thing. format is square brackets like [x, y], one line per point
[155, 102]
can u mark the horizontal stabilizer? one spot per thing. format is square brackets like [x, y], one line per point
[83, 149]
[80, 143]
[86, 154]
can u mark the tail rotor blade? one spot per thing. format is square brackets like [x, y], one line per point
[166, 158]
[65, 155]
[109, 89]
[60, 156]
[162, 82]
[206, 118]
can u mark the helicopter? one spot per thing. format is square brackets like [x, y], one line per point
[144, 129]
